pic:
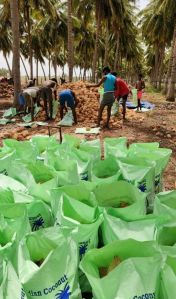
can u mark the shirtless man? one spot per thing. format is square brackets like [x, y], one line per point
[140, 85]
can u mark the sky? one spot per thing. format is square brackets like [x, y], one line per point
[141, 4]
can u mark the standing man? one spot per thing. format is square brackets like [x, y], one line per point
[67, 98]
[108, 81]
[48, 92]
[140, 85]
[121, 91]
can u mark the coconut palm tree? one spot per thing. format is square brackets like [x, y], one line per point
[14, 8]
[70, 40]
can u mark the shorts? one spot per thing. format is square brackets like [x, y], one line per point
[28, 100]
[108, 99]
[67, 101]
[139, 94]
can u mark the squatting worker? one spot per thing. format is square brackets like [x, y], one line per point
[122, 91]
[30, 97]
[48, 92]
[67, 98]
[108, 81]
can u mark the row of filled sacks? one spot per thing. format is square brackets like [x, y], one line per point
[121, 217]
[45, 264]
[120, 202]
[69, 166]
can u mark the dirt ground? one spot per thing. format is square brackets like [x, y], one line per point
[158, 125]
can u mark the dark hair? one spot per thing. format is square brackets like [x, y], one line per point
[106, 69]
[114, 74]
[140, 75]
[54, 79]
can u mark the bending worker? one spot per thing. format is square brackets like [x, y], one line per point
[67, 98]
[48, 92]
[122, 91]
[28, 98]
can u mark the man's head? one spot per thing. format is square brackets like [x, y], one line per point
[106, 70]
[140, 76]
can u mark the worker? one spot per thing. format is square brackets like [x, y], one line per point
[67, 99]
[108, 81]
[122, 91]
[48, 92]
[28, 98]
[140, 85]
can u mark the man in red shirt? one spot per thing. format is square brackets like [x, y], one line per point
[121, 91]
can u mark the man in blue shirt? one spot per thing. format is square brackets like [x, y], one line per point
[109, 82]
[67, 98]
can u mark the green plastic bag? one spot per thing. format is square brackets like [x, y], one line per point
[114, 195]
[24, 150]
[92, 147]
[9, 196]
[9, 113]
[48, 263]
[67, 170]
[105, 171]
[145, 146]
[10, 286]
[28, 118]
[137, 275]
[116, 147]
[140, 173]
[13, 220]
[6, 182]
[79, 192]
[67, 121]
[144, 228]
[168, 283]
[75, 213]
[39, 215]
[43, 143]
[71, 141]
[84, 163]
[160, 157]
[115, 109]
[165, 203]
[6, 157]
[166, 235]
[134, 96]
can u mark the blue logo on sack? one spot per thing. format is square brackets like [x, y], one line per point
[83, 246]
[143, 186]
[4, 171]
[145, 296]
[84, 176]
[36, 222]
[64, 294]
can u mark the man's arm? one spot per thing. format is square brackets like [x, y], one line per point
[97, 85]
[75, 98]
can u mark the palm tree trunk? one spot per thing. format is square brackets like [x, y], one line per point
[170, 65]
[49, 66]
[106, 46]
[24, 67]
[117, 51]
[29, 41]
[37, 77]
[98, 13]
[43, 70]
[14, 10]
[171, 89]
[70, 40]
[8, 65]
